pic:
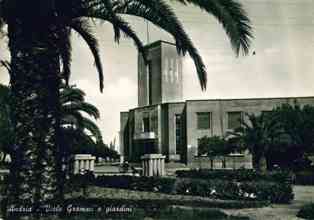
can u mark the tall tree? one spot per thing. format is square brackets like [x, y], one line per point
[39, 40]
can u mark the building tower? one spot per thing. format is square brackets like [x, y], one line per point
[160, 81]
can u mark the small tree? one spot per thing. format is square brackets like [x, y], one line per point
[213, 147]
[257, 135]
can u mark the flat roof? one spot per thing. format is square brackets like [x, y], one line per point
[157, 43]
[233, 99]
[238, 99]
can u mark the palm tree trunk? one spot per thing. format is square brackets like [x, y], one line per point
[35, 95]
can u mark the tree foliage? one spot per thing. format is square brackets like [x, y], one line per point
[257, 134]
[79, 133]
[39, 40]
[214, 146]
[298, 123]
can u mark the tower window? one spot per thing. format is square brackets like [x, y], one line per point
[150, 82]
[178, 124]
[146, 124]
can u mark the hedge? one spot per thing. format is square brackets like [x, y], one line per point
[236, 175]
[148, 184]
[216, 189]
[220, 189]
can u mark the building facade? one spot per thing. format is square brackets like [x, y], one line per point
[164, 123]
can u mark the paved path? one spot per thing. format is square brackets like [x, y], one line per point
[303, 195]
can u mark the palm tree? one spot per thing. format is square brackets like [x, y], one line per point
[73, 105]
[257, 135]
[39, 40]
[77, 129]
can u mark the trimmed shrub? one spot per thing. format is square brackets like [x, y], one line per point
[307, 211]
[236, 175]
[261, 191]
[215, 189]
[148, 184]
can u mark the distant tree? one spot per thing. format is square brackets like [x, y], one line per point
[298, 123]
[257, 135]
[213, 146]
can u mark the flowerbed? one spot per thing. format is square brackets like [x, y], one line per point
[261, 190]
[216, 189]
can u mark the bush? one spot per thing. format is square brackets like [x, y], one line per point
[149, 184]
[236, 175]
[215, 189]
[307, 211]
[261, 190]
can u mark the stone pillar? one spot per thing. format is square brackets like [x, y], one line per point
[76, 166]
[83, 162]
[163, 171]
[92, 165]
[153, 165]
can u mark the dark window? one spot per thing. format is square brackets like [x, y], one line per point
[146, 124]
[203, 120]
[178, 130]
[150, 82]
[234, 120]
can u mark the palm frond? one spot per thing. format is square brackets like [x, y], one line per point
[103, 12]
[233, 18]
[71, 95]
[6, 65]
[82, 27]
[161, 14]
[83, 107]
[92, 128]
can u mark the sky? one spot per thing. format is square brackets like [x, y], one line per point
[283, 63]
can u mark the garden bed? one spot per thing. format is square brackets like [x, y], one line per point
[215, 189]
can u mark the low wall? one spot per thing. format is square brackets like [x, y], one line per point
[235, 161]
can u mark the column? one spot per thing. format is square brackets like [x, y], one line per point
[155, 166]
[159, 167]
[92, 165]
[76, 166]
[150, 162]
[87, 161]
[163, 167]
